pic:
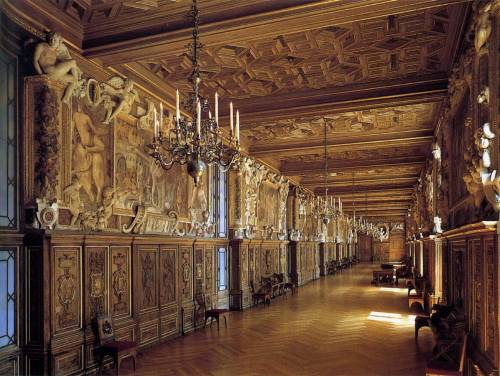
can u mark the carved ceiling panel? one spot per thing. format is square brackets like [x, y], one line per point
[364, 51]
[363, 122]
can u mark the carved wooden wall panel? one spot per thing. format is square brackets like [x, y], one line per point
[120, 281]
[199, 275]
[491, 312]
[457, 272]
[396, 246]
[147, 278]
[168, 267]
[210, 271]
[251, 268]
[243, 267]
[146, 297]
[477, 289]
[35, 279]
[186, 274]
[471, 275]
[96, 291]
[168, 290]
[66, 288]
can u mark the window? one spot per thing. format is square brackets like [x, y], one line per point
[8, 141]
[222, 269]
[220, 202]
[7, 297]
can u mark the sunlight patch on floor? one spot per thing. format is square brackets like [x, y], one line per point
[394, 318]
[397, 290]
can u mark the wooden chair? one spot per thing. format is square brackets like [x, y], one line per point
[417, 299]
[263, 294]
[117, 350]
[210, 313]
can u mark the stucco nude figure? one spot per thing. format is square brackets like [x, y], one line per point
[53, 59]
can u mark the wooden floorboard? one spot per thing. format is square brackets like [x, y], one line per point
[325, 329]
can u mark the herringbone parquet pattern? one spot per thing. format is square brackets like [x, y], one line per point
[322, 330]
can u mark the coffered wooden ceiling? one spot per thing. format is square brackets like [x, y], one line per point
[374, 71]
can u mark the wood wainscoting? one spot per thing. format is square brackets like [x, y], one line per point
[304, 261]
[250, 261]
[461, 268]
[147, 284]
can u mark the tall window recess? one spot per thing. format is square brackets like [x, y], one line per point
[220, 201]
[8, 141]
[222, 274]
[7, 297]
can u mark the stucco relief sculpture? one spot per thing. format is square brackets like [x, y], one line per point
[283, 190]
[482, 25]
[117, 96]
[472, 177]
[200, 223]
[491, 183]
[74, 201]
[46, 214]
[253, 174]
[53, 59]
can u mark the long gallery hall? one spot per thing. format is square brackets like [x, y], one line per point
[234, 187]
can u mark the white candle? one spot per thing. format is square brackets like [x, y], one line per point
[216, 108]
[198, 120]
[333, 203]
[161, 116]
[177, 108]
[155, 122]
[231, 119]
[237, 126]
[209, 114]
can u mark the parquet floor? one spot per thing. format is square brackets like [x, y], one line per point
[325, 329]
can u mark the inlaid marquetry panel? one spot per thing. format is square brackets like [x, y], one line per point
[66, 287]
[120, 281]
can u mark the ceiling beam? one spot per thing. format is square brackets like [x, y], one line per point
[349, 166]
[333, 100]
[120, 48]
[336, 191]
[335, 146]
[367, 181]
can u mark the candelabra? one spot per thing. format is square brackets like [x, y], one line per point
[198, 140]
